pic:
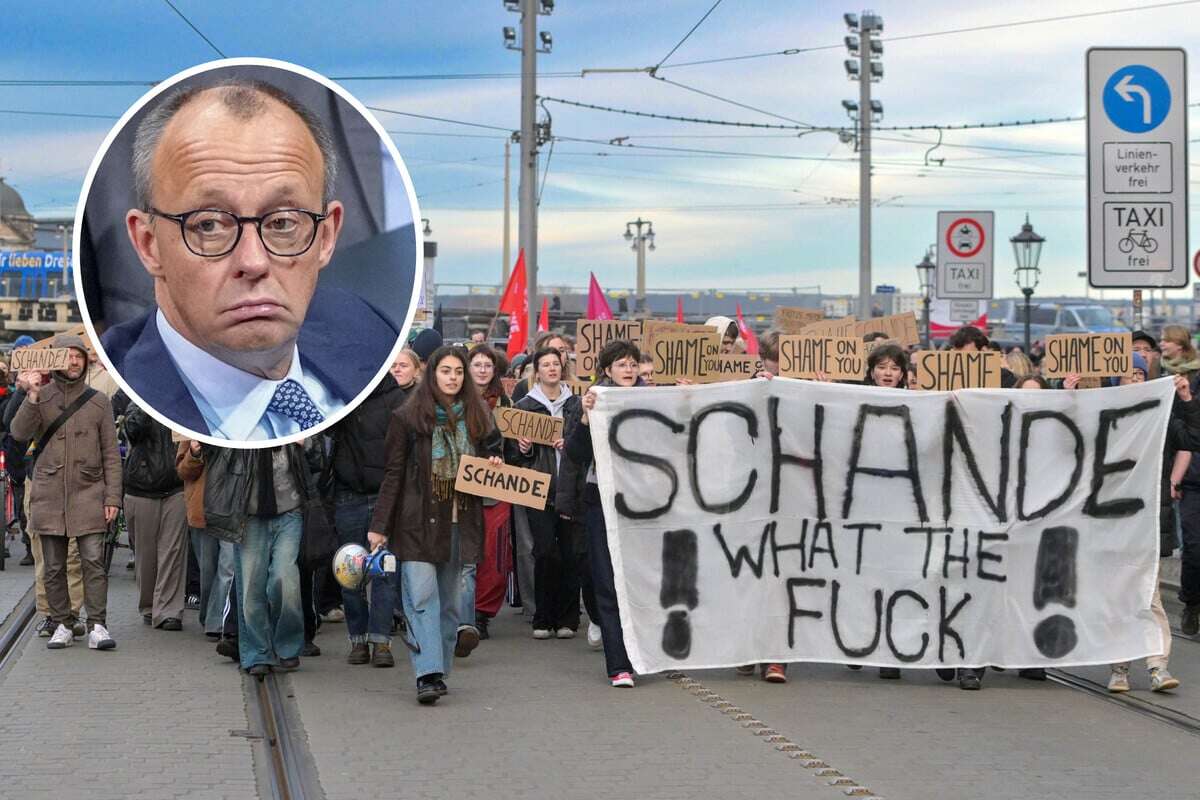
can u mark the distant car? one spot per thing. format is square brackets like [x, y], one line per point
[1007, 327]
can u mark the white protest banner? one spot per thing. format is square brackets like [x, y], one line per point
[785, 520]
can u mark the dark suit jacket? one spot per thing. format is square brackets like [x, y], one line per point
[344, 341]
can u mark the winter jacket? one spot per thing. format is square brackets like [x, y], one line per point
[230, 475]
[150, 464]
[78, 472]
[416, 523]
[543, 457]
[359, 454]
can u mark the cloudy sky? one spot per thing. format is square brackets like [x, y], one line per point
[732, 207]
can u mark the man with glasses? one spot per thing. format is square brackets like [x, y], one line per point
[235, 221]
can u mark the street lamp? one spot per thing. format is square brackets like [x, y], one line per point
[1027, 247]
[925, 276]
[639, 242]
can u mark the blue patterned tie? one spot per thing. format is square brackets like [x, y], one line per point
[293, 402]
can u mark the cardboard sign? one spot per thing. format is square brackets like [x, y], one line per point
[733, 367]
[42, 359]
[682, 355]
[508, 384]
[77, 330]
[947, 370]
[791, 320]
[1089, 355]
[832, 327]
[653, 328]
[525, 487]
[592, 334]
[901, 327]
[513, 423]
[578, 387]
[803, 355]
[871, 346]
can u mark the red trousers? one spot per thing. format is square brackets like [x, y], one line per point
[491, 576]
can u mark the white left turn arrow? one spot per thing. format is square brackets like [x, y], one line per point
[1126, 89]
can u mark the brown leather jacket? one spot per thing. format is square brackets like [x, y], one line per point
[79, 470]
[416, 524]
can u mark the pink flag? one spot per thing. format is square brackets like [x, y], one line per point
[747, 334]
[544, 317]
[597, 305]
[679, 309]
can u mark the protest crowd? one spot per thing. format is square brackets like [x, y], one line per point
[246, 538]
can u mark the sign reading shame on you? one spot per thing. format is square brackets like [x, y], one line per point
[787, 520]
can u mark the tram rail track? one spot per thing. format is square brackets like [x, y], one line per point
[1130, 702]
[287, 778]
[19, 622]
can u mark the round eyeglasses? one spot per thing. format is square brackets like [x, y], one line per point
[212, 233]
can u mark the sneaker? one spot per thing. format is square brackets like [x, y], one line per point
[147, 619]
[171, 624]
[46, 629]
[79, 629]
[442, 688]
[622, 680]
[1118, 681]
[27, 561]
[381, 655]
[775, 673]
[129, 564]
[1189, 621]
[334, 615]
[192, 602]
[969, 680]
[542, 633]
[595, 636]
[1162, 681]
[746, 670]
[481, 625]
[468, 640]
[564, 633]
[99, 639]
[62, 638]
[359, 654]
[310, 650]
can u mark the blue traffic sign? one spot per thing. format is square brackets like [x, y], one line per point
[1136, 98]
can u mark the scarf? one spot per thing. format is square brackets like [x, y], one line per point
[450, 442]
[1179, 366]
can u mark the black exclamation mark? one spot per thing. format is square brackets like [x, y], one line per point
[1054, 581]
[680, 566]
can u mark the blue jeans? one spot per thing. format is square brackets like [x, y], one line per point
[352, 514]
[270, 616]
[216, 560]
[430, 594]
[466, 595]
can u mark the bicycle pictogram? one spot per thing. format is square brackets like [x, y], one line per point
[1137, 238]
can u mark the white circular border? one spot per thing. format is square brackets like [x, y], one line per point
[418, 271]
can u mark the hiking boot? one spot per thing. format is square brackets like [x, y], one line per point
[1162, 681]
[1118, 681]
[468, 640]
[359, 654]
[62, 638]
[427, 690]
[99, 639]
[46, 629]
[229, 649]
[381, 655]
[1189, 621]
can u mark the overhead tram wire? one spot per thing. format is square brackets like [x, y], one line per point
[199, 33]
[687, 35]
[440, 119]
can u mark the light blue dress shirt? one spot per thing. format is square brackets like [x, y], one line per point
[234, 402]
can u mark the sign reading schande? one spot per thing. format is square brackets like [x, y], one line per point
[1137, 168]
[965, 247]
[774, 521]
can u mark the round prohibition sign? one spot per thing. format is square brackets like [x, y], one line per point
[964, 237]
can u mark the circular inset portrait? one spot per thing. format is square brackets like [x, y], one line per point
[247, 254]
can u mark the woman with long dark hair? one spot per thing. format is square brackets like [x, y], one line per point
[486, 585]
[430, 527]
[616, 365]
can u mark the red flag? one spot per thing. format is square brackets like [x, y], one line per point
[597, 305]
[515, 303]
[679, 309]
[513, 298]
[544, 317]
[747, 334]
